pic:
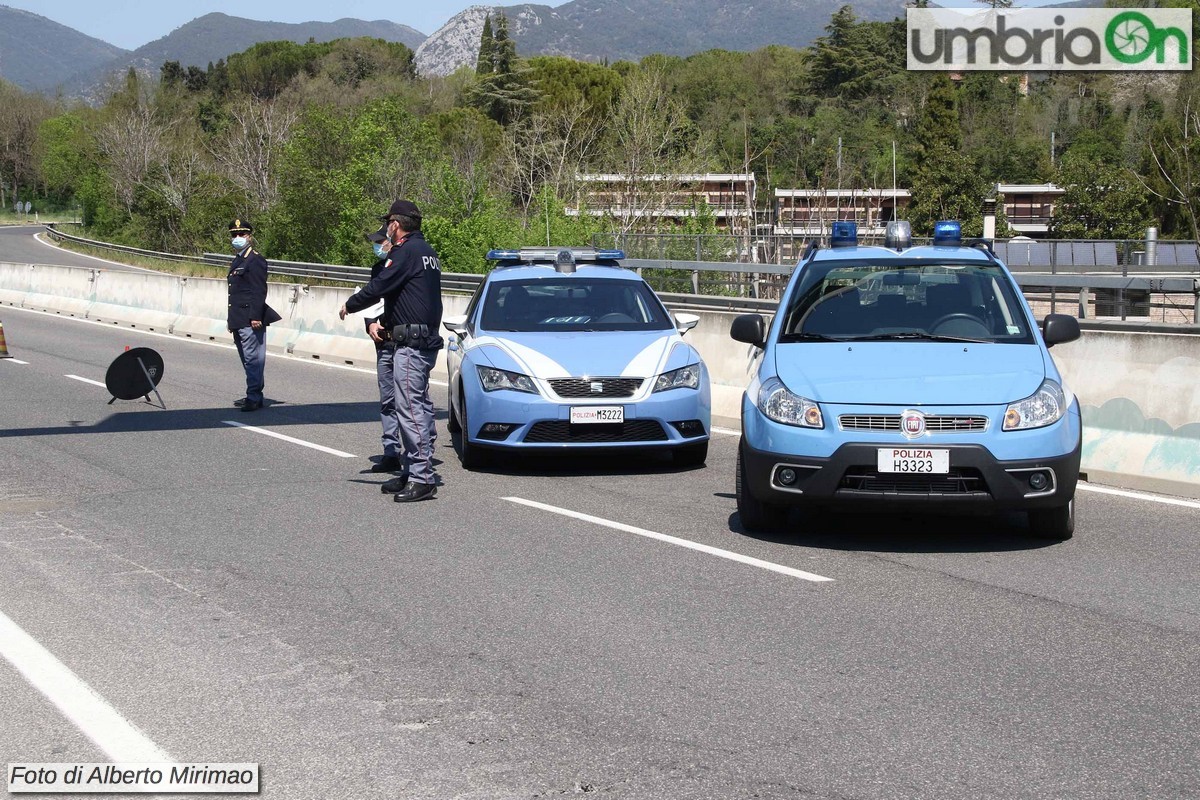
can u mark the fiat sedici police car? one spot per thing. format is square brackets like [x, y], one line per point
[564, 348]
[907, 378]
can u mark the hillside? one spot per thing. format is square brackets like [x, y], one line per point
[215, 36]
[596, 30]
[38, 54]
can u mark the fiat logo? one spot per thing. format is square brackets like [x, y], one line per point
[912, 424]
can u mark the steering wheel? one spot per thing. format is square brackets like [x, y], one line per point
[616, 316]
[970, 319]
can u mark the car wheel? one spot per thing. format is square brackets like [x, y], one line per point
[1054, 523]
[691, 455]
[452, 423]
[472, 456]
[755, 514]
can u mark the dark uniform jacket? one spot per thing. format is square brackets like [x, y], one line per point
[410, 285]
[248, 291]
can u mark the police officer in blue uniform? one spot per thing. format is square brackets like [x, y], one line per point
[410, 285]
[249, 314]
[385, 351]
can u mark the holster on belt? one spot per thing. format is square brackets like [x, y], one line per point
[411, 334]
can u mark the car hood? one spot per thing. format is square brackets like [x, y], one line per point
[910, 373]
[633, 354]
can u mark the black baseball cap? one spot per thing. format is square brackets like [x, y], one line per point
[240, 226]
[402, 208]
[379, 235]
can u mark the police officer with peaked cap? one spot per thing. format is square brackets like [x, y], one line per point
[249, 315]
[410, 285]
[385, 351]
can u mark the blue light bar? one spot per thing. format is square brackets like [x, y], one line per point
[503, 255]
[947, 232]
[843, 234]
[615, 255]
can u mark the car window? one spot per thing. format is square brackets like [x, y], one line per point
[575, 304]
[895, 299]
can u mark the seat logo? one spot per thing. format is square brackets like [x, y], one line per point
[597, 387]
[912, 424]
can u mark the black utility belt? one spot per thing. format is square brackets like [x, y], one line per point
[411, 334]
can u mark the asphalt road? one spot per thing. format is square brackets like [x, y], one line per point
[28, 244]
[244, 598]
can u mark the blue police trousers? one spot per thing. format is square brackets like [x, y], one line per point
[387, 401]
[252, 349]
[411, 369]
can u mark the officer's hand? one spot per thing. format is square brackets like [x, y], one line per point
[342, 312]
[373, 331]
[255, 324]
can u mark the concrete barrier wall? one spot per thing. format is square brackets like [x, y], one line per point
[1140, 392]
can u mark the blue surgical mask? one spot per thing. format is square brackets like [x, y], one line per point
[239, 243]
[380, 250]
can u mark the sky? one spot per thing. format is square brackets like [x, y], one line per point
[132, 23]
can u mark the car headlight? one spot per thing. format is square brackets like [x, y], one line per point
[682, 378]
[496, 379]
[779, 404]
[1045, 407]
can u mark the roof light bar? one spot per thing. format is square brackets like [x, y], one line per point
[947, 233]
[898, 234]
[843, 233]
[551, 254]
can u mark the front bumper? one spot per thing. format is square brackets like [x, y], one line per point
[977, 481]
[669, 419]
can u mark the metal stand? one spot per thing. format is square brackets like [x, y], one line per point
[150, 383]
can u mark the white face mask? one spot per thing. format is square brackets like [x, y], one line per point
[239, 242]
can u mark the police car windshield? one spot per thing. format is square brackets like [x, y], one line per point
[919, 301]
[572, 304]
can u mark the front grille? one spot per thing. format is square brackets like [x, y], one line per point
[891, 422]
[584, 387]
[956, 482]
[563, 432]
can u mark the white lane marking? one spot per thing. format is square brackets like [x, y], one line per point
[78, 702]
[726, 431]
[301, 442]
[14, 360]
[188, 340]
[1153, 498]
[662, 537]
[86, 380]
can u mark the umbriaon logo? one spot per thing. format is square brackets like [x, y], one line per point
[1049, 40]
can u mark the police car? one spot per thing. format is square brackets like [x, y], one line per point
[565, 349]
[911, 378]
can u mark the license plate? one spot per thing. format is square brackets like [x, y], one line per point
[597, 415]
[914, 459]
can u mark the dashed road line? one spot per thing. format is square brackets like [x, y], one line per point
[291, 439]
[662, 537]
[1153, 498]
[86, 380]
[78, 702]
[726, 431]
[14, 360]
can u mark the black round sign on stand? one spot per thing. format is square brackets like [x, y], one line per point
[135, 373]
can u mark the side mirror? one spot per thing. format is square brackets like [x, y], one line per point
[1059, 328]
[685, 322]
[749, 328]
[456, 324]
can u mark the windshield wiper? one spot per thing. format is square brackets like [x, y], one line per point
[913, 336]
[809, 337]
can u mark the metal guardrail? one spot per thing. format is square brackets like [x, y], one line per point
[741, 287]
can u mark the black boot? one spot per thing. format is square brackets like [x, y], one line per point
[387, 464]
[416, 491]
[394, 485]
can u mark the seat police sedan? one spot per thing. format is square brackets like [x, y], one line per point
[907, 378]
[565, 349]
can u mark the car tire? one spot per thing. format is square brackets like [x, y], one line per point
[755, 514]
[452, 423]
[472, 456]
[1056, 523]
[691, 455]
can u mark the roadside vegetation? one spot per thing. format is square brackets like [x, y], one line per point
[310, 142]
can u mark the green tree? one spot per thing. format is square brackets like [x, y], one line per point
[485, 64]
[1101, 202]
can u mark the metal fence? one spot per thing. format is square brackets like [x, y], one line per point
[1075, 277]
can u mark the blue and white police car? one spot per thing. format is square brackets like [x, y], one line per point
[564, 348]
[902, 377]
